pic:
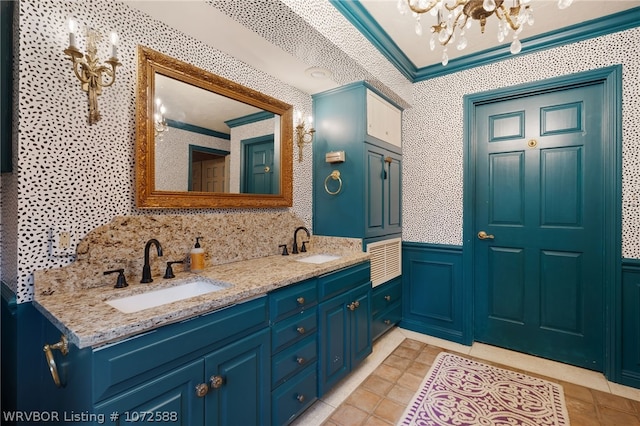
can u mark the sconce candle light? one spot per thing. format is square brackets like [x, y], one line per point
[93, 76]
[159, 120]
[303, 135]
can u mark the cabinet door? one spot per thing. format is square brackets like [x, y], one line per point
[334, 343]
[240, 382]
[384, 121]
[170, 399]
[393, 193]
[345, 334]
[383, 192]
[360, 323]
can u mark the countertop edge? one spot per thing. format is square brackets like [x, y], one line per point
[184, 311]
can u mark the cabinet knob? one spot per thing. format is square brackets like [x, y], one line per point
[300, 330]
[300, 300]
[300, 398]
[216, 382]
[387, 322]
[387, 298]
[351, 306]
[201, 390]
[357, 304]
[300, 360]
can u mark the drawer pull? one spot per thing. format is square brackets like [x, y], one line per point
[300, 360]
[387, 322]
[387, 298]
[300, 398]
[300, 330]
[201, 390]
[216, 382]
[300, 300]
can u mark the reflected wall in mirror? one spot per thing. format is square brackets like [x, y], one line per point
[205, 141]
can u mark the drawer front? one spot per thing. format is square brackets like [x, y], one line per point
[124, 364]
[293, 397]
[293, 329]
[385, 320]
[338, 282]
[294, 359]
[386, 295]
[292, 299]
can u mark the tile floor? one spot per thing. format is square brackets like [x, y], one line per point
[377, 392]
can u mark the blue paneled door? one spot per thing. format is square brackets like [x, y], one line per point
[259, 168]
[539, 214]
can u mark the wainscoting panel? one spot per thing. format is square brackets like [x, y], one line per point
[630, 366]
[432, 290]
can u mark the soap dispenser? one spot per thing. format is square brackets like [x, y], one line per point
[197, 257]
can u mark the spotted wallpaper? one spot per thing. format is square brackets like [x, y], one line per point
[69, 175]
[433, 134]
[73, 176]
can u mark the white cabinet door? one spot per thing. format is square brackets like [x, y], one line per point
[384, 121]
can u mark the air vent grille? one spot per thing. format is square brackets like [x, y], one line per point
[386, 260]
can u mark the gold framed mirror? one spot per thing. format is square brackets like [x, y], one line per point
[203, 141]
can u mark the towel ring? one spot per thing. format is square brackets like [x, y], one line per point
[63, 347]
[335, 175]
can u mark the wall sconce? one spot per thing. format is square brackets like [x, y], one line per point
[303, 135]
[93, 76]
[160, 123]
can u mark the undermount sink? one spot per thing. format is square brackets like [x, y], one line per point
[318, 258]
[155, 298]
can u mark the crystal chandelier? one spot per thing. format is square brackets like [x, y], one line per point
[454, 18]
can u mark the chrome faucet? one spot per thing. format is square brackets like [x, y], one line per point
[294, 250]
[146, 269]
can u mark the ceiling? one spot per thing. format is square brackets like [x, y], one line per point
[381, 23]
[548, 18]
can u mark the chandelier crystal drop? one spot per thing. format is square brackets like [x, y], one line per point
[456, 16]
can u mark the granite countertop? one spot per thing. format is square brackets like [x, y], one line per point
[87, 321]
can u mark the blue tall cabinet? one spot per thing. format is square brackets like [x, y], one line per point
[361, 196]
[358, 121]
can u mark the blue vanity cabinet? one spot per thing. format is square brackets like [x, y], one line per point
[356, 119]
[214, 369]
[344, 323]
[294, 345]
[386, 306]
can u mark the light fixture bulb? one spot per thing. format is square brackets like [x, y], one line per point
[73, 25]
[516, 46]
[114, 37]
[489, 5]
[563, 4]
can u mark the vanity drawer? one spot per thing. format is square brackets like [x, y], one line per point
[332, 284]
[121, 365]
[293, 329]
[385, 320]
[294, 359]
[288, 300]
[292, 398]
[386, 295]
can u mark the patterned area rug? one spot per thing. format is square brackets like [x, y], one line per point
[459, 391]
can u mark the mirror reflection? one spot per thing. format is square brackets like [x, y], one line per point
[210, 143]
[204, 141]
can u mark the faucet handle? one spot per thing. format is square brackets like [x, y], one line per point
[284, 249]
[169, 272]
[121, 281]
[303, 249]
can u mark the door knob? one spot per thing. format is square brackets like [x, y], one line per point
[484, 236]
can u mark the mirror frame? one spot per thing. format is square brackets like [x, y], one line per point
[151, 62]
